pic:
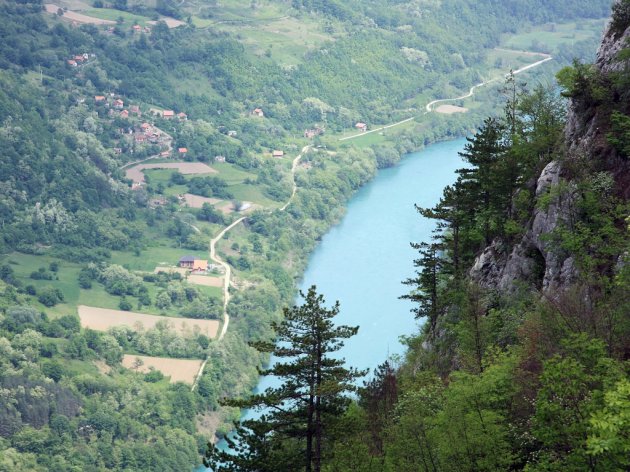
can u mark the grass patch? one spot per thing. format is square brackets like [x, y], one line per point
[550, 36]
[112, 14]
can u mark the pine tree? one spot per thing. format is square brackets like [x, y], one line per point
[290, 433]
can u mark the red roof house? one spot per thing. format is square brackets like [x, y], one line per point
[168, 114]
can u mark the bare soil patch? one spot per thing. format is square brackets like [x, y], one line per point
[205, 280]
[179, 370]
[170, 22]
[136, 173]
[101, 319]
[78, 17]
[450, 109]
[196, 201]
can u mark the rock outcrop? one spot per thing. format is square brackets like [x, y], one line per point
[532, 261]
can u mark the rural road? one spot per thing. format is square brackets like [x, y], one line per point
[471, 92]
[228, 270]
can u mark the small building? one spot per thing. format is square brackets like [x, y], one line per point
[277, 153]
[168, 114]
[182, 116]
[182, 151]
[258, 112]
[79, 58]
[135, 109]
[72, 62]
[118, 103]
[194, 264]
[219, 158]
[124, 114]
[311, 133]
[231, 133]
[361, 126]
[137, 28]
[99, 98]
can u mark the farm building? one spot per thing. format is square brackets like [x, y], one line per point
[168, 114]
[194, 264]
[361, 126]
[277, 153]
[258, 112]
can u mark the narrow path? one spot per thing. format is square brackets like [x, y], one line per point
[429, 106]
[293, 169]
[228, 270]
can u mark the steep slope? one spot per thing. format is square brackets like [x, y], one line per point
[587, 142]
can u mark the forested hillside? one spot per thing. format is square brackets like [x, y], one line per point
[522, 363]
[216, 120]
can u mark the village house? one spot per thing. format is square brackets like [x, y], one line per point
[146, 128]
[118, 103]
[135, 109]
[182, 116]
[168, 114]
[165, 154]
[72, 62]
[140, 138]
[311, 133]
[361, 127]
[258, 112]
[124, 114]
[136, 28]
[277, 153]
[182, 151]
[219, 158]
[193, 263]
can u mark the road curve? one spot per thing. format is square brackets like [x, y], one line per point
[471, 92]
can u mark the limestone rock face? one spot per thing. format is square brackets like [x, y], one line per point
[531, 261]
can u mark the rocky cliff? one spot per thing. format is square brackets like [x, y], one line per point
[532, 261]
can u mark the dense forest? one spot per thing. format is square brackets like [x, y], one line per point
[73, 232]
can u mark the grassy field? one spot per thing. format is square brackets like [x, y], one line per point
[129, 19]
[267, 29]
[548, 37]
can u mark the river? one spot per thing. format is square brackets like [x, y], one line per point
[362, 260]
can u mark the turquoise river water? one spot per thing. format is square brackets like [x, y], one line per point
[362, 261]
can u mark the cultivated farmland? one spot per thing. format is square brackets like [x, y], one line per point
[101, 319]
[179, 370]
[137, 175]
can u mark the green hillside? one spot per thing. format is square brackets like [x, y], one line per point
[115, 114]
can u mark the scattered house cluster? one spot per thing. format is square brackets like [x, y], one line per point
[361, 127]
[194, 264]
[79, 59]
[168, 114]
[311, 133]
[140, 29]
[258, 112]
[147, 133]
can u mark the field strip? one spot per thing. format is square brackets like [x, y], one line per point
[137, 175]
[78, 17]
[101, 319]
[179, 370]
[471, 92]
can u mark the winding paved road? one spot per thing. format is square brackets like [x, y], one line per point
[471, 92]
